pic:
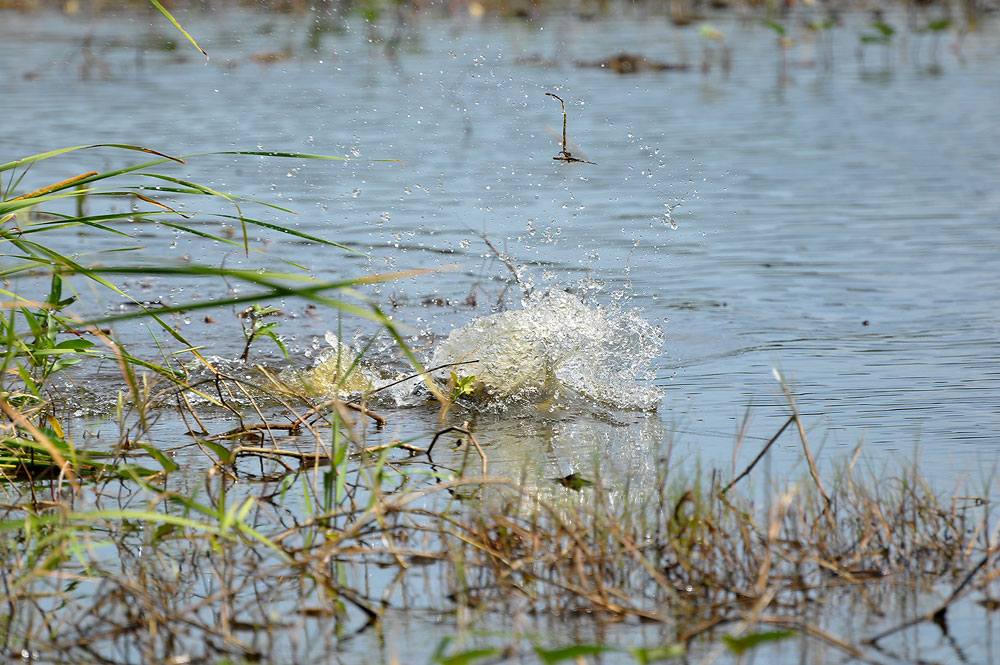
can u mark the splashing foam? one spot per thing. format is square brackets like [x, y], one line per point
[557, 348]
[338, 371]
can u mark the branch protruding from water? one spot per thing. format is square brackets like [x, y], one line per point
[564, 154]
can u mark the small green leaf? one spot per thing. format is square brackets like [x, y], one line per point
[75, 344]
[461, 385]
[643, 656]
[168, 464]
[264, 329]
[818, 25]
[465, 657]
[55, 292]
[225, 454]
[572, 652]
[278, 341]
[774, 25]
[178, 26]
[886, 29]
[740, 644]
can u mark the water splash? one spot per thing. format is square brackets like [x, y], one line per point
[338, 371]
[557, 347]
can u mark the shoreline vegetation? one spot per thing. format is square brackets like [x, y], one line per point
[777, 6]
[287, 536]
[815, 15]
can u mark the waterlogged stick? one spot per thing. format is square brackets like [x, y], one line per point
[464, 429]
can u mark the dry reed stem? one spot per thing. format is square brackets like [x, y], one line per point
[54, 186]
[813, 471]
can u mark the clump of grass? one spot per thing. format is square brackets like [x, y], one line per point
[45, 337]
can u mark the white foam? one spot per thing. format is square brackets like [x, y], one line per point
[556, 347]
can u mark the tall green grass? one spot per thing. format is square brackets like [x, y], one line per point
[42, 333]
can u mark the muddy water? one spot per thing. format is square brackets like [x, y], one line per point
[837, 223]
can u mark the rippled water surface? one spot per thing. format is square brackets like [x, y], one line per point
[838, 224]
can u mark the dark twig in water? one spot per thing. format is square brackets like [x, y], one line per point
[464, 429]
[418, 374]
[760, 455]
[937, 615]
[564, 154]
[503, 257]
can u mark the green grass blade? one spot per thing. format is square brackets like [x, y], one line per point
[55, 153]
[178, 26]
[293, 232]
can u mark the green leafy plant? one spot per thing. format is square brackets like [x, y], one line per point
[740, 645]
[778, 28]
[256, 324]
[41, 349]
[882, 35]
[461, 386]
[937, 25]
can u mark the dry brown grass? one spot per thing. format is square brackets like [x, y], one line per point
[283, 534]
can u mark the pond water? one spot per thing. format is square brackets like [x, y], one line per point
[838, 223]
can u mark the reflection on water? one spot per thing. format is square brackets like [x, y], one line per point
[539, 446]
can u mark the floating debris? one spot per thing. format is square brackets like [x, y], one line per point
[573, 481]
[629, 63]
